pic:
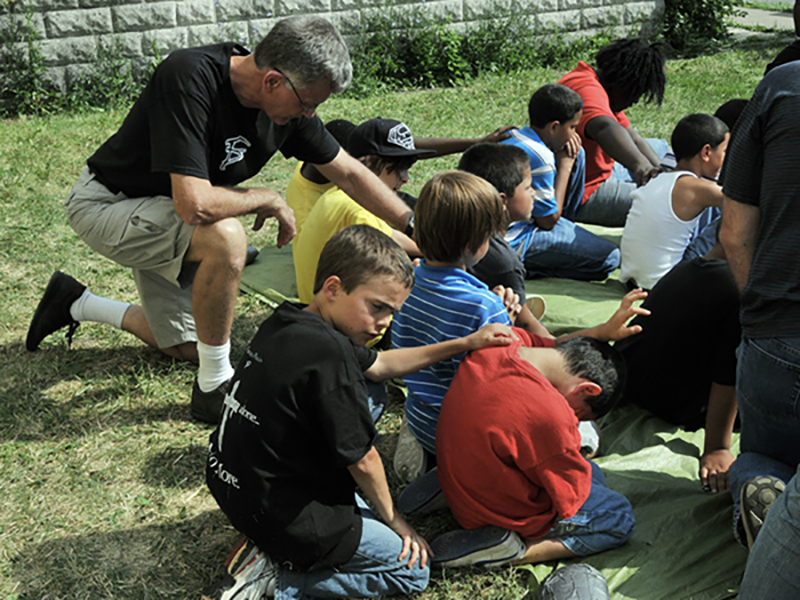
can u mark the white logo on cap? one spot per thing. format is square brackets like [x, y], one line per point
[400, 135]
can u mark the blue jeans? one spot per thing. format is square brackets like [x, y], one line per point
[610, 203]
[605, 521]
[773, 567]
[768, 393]
[372, 571]
[704, 235]
[570, 251]
[567, 250]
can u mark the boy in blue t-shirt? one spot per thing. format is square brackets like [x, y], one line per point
[551, 244]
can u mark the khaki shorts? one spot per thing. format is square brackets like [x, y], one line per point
[148, 236]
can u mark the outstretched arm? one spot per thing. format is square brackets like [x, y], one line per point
[622, 146]
[443, 146]
[402, 361]
[615, 328]
[370, 476]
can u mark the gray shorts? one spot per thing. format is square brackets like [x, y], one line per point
[148, 236]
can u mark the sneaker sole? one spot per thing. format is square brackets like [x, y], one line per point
[487, 547]
[409, 460]
[423, 495]
[757, 496]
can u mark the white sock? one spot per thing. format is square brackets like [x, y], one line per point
[101, 310]
[215, 365]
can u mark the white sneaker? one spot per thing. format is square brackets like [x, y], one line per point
[251, 576]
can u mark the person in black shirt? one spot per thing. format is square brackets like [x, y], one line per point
[162, 195]
[296, 436]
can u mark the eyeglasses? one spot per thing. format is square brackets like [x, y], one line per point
[308, 109]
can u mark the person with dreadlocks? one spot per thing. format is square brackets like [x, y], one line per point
[627, 71]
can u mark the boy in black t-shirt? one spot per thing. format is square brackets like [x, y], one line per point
[296, 436]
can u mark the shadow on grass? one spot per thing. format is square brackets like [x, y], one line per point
[174, 560]
[177, 467]
[57, 393]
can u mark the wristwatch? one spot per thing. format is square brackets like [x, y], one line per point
[409, 230]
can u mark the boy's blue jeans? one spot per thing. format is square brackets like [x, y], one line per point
[768, 393]
[568, 250]
[372, 571]
[605, 521]
[772, 567]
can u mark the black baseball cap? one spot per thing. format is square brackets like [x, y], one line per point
[385, 137]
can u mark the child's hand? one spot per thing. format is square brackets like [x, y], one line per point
[714, 468]
[493, 334]
[573, 145]
[615, 328]
[413, 543]
[510, 300]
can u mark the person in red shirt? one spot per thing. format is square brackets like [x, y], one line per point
[627, 71]
[509, 460]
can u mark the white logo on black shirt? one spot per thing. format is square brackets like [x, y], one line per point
[234, 151]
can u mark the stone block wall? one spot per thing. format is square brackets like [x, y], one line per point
[72, 31]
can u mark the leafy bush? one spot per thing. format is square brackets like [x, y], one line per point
[23, 87]
[692, 27]
[398, 49]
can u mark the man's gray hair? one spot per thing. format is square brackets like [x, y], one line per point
[308, 49]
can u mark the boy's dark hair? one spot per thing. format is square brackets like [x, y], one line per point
[502, 165]
[377, 164]
[694, 131]
[599, 363]
[729, 112]
[634, 67]
[456, 211]
[553, 102]
[357, 253]
[341, 130]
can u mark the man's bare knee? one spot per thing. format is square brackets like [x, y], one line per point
[224, 240]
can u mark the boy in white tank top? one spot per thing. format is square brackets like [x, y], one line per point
[665, 214]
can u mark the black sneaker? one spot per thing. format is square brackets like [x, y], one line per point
[489, 547]
[423, 495]
[250, 575]
[53, 311]
[207, 406]
[758, 495]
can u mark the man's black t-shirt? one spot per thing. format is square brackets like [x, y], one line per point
[686, 344]
[296, 417]
[188, 121]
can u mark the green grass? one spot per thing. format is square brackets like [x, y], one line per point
[102, 491]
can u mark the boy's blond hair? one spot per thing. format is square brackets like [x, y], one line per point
[358, 253]
[456, 211]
